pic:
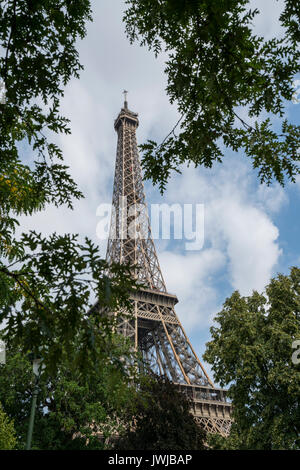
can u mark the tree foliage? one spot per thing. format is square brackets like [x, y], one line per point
[72, 407]
[251, 351]
[47, 285]
[162, 419]
[7, 432]
[218, 71]
[132, 411]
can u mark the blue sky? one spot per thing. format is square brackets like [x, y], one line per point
[251, 231]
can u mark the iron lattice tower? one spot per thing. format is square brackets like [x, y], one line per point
[155, 329]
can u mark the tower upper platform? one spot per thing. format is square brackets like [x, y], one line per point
[126, 115]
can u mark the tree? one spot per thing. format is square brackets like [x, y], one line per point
[47, 286]
[251, 351]
[162, 419]
[72, 407]
[7, 432]
[113, 393]
[218, 71]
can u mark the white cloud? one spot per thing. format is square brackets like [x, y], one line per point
[266, 23]
[190, 277]
[272, 198]
[251, 245]
[236, 220]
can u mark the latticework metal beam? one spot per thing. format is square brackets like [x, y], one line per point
[154, 329]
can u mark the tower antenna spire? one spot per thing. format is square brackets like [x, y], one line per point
[125, 92]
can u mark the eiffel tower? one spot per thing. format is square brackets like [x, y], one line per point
[154, 328]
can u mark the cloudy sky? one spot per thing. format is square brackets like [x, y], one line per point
[251, 231]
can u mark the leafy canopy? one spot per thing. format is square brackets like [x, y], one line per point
[7, 432]
[71, 407]
[219, 71]
[162, 419]
[251, 351]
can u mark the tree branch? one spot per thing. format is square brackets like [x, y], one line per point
[16, 276]
[13, 25]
